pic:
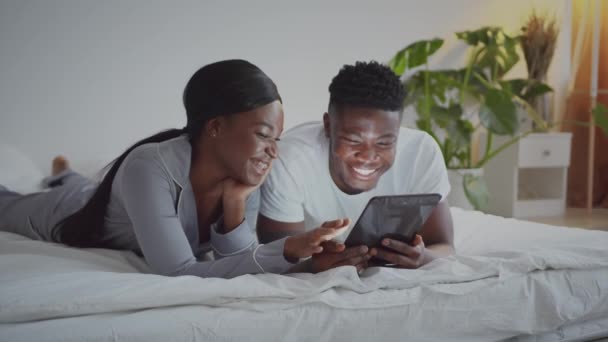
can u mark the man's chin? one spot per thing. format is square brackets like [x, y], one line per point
[359, 187]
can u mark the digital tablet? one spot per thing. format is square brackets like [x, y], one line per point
[397, 217]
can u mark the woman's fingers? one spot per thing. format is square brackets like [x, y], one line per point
[336, 224]
[329, 230]
[333, 224]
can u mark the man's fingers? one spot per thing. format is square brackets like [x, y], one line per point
[395, 258]
[412, 250]
[333, 246]
[354, 261]
[352, 252]
[342, 258]
[361, 266]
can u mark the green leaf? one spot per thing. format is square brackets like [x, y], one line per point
[443, 116]
[421, 109]
[461, 132]
[496, 52]
[398, 63]
[474, 37]
[515, 86]
[525, 88]
[498, 113]
[476, 191]
[600, 116]
[423, 125]
[535, 89]
[414, 55]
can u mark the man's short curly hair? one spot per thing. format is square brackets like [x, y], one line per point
[370, 85]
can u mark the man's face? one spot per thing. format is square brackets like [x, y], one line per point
[362, 145]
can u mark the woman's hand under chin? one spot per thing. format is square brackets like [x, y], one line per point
[234, 198]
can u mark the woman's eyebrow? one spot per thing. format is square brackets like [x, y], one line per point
[264, 123]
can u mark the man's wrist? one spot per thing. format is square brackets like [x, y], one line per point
[436, 251]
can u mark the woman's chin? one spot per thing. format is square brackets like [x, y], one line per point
[252, 179]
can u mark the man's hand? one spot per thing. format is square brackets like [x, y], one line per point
[336, 254]
[401, 254]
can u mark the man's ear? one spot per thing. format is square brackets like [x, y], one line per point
[326, 124]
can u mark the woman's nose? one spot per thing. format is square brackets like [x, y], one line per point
[272, 150]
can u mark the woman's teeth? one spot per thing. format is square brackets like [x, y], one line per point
[261, 166]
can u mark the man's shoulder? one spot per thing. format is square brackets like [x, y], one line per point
[410, 136]
[414, 143]
[302, 143]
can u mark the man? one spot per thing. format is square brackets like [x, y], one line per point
[330, 171]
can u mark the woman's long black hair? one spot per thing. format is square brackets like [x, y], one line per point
[217, 89]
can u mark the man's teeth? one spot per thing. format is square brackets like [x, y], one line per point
[364, 172]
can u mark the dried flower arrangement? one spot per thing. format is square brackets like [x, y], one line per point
[538, 42]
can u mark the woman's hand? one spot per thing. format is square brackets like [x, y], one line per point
[306, 244]
[234, 197]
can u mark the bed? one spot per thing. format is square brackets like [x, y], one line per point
[510, 280]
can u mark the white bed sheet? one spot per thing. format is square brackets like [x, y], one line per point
[509, 279]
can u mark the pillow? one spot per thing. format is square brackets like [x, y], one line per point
[18, 172]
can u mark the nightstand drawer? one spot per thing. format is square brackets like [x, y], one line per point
[544, 150]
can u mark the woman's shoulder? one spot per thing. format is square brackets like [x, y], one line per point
[170, 158]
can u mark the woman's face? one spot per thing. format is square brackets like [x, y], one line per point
[247, 142]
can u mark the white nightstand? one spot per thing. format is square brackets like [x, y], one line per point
[529, 178]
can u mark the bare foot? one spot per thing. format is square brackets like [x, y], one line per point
[60, 164]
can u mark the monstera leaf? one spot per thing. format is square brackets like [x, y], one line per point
[414, 55]
[525, 88]
[498, 113]
[496, 50]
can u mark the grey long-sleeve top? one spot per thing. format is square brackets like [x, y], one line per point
[152, 210]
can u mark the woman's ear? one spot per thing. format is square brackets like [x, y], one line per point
[213, 127]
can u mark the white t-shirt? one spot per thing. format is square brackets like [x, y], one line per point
[300, 188]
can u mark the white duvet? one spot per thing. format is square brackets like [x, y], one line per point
[509, 278]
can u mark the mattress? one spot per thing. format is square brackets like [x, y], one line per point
[509, 280]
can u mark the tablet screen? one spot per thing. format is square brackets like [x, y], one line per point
[398, 217]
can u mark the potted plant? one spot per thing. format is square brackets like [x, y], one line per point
[455, 105]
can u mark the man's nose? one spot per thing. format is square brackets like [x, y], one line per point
[367, 153]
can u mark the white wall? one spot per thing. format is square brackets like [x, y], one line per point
[88, 78]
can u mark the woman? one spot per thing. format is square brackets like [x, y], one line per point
[181, 193]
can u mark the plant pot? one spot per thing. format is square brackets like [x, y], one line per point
[457, 196]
